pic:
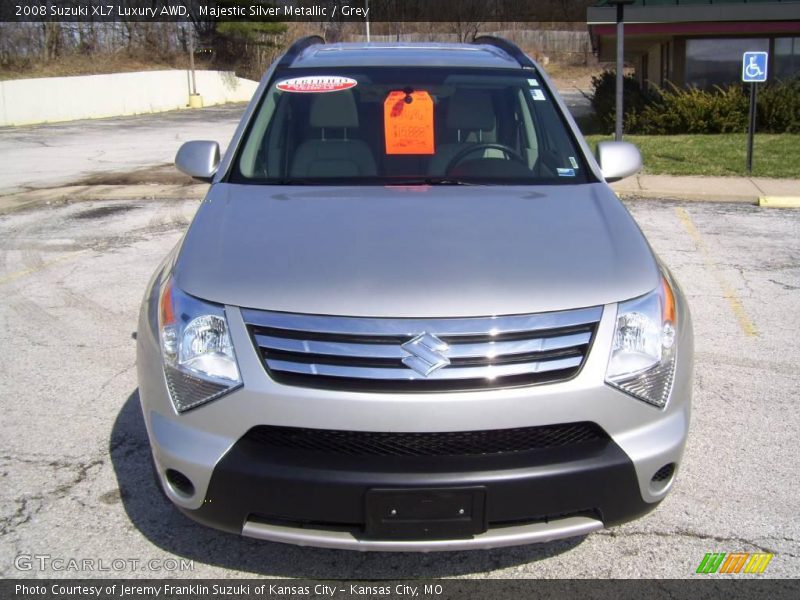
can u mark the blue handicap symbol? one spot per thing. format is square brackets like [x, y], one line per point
[754, 67]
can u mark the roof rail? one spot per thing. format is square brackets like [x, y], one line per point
[508, 47]
[295, 49]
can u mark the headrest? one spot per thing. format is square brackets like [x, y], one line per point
[470, 110]
[334, 109]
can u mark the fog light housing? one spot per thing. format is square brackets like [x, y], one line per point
[180, 483]
[664, 473]
[662, 478]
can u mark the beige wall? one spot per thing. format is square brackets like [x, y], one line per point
[52, 99]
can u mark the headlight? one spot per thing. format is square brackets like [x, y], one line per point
[642, 360]
[199, 362]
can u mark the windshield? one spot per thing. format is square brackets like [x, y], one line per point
[389, 125]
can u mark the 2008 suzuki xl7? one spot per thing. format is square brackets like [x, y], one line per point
[410, 314]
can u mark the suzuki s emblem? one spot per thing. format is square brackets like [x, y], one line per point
[426, 354]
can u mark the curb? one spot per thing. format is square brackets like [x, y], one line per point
[749, 190]
[779, 201]
[672, 195]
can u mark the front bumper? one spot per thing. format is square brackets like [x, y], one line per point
[308, 497]
[529, 498]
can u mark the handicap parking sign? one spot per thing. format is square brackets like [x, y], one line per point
[754, 67]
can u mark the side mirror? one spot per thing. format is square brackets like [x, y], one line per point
[618, 160]
[199, 159]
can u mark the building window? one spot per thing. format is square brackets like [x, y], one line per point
[645, 78]
[787, 57]
[718, 61]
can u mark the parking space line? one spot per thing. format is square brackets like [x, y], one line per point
[735, 304]
[18, 274]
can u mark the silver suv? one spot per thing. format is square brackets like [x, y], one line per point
[410, 314]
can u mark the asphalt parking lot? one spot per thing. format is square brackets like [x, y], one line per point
[41, 156]
[75, 479]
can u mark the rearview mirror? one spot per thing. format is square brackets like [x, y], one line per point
[618, 160]
[198, 159]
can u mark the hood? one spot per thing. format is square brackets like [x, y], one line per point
[441, 251]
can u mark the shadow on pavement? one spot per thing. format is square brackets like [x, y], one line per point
[166, 527]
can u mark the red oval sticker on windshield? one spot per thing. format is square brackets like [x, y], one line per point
[316, 84]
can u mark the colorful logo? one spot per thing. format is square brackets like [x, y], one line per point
[316, 84]
[735, 562]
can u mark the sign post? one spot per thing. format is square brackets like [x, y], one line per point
[754, 71]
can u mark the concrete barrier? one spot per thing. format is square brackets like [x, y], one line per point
[52, 99]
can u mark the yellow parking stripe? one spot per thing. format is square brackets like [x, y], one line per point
[733, 301]
[18, 274]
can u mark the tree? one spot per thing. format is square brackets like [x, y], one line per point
[469, 15]
[259, 32]
[53, 40]
[247, 45]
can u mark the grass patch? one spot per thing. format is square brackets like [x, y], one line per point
[774, 155]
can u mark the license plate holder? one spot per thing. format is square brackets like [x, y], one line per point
[425, 514]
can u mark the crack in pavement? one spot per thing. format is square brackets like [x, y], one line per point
[785, 286]
[29, 506]
[42, 460]
[745, 283]
[111, 380]
[689, 534]
[20, 516]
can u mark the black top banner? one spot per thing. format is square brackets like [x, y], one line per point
[295, 10]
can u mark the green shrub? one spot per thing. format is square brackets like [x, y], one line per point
[693, 111]
[778, 107]
[672, 110]
[604, 97]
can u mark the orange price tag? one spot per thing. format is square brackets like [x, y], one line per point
[408, 125]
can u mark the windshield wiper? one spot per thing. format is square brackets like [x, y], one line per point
[435, 181]
[401, 182]
[291, 181]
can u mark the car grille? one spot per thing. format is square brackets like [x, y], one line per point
[456, 443]
[419, 355]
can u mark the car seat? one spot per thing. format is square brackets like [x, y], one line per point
[333, 114]
[471, 121]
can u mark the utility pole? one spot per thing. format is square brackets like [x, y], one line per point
[195, 99]
[191, 63]
[620, 4]
[366, 5]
